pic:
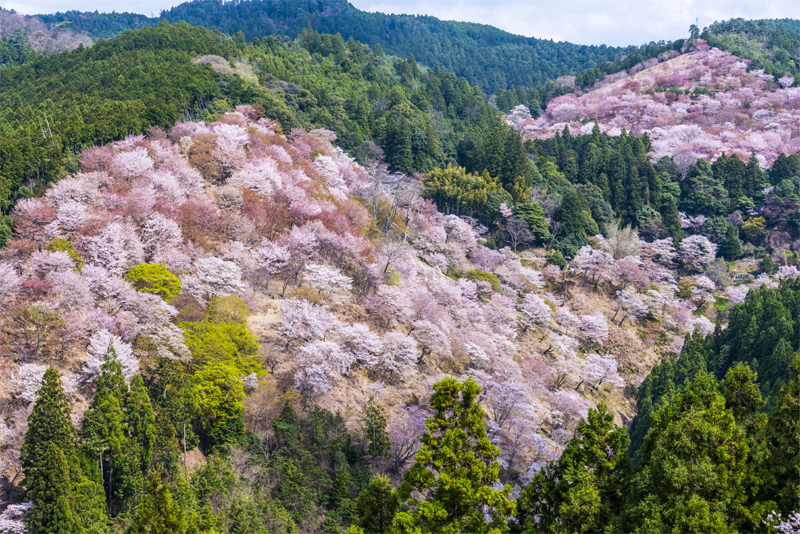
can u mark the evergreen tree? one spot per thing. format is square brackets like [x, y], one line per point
[783, 436]
[454, 470]
[140, 421]
[54, 481]
[731, 248]
[376, 506]
[158, 513]
[373, 425]
[537, 223]
[694, 466]
[570, 214]
[584, 490]
[671, 219]
[106, 440]
[52, 496]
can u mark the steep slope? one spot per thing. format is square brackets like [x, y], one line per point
[698, 104]
[486, 56]
[237, 209]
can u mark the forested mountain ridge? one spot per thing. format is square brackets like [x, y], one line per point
[486, 56]
[54, 105]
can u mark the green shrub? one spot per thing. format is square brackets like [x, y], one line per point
[227, 310]
[154, 278]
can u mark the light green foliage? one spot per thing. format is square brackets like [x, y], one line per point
[59, 244]
[454, 469]
[219, 391]
[227, 310]
[456, 191]
[154, 278]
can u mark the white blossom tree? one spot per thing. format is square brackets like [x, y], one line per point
[534, 311]
[328, 281]
[99, 346]
[594, 327]
[630, 304]
[28, 380]
[697, 251]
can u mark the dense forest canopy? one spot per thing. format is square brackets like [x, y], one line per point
[486, 56]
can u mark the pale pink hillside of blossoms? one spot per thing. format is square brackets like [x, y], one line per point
[749, 111]
[358, 289]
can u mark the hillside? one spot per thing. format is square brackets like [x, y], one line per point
[339, 318]
[303, 286]
[486, 56]
[699, 104]
[54, 105]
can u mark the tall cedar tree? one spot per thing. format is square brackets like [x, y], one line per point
[64, 500]
[584, 489]
[455, 469]
[106, 441]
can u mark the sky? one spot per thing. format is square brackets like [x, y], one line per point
[611, 22]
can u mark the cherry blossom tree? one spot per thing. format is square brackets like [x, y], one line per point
[214, 278]
[405, 428]
[786, 272]
[305, 321]
[703, 325]
[328, 281]
[117, 248]
[737, 294]
[534, 311]
[701, 290]
[99, 346]
[594, 327]
[562, 344]
[259, 175]
[270, 259]
[697, 251]
[567, 319]
[598, 263]
[660, 251]
[597, 370]
[631, 304]
[362, 344]
[433, 340]
[28, 380]
[399, 353]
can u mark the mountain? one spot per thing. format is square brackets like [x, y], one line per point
[54, 105]
[699, 104]
[486, 56]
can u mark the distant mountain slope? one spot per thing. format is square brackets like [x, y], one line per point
[772, 45]
[486, 56]
[699, 104]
